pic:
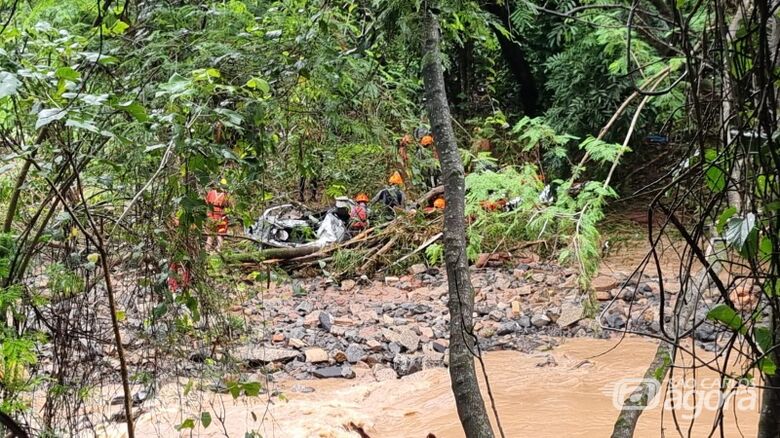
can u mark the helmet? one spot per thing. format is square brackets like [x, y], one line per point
[439, 203]
[361, 197]
[427, 140]
[395, 179]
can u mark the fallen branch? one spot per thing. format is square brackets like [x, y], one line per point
[386, 247]
[425, 244]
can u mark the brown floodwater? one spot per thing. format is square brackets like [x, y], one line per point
[570, 398]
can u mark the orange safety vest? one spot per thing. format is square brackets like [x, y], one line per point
[217, 200]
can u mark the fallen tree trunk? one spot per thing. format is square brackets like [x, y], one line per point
[270, 253]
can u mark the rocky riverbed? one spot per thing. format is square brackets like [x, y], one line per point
[396, 326]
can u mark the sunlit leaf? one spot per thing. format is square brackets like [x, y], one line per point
[67, 73]
[47, 116]
[727, 316]
[8, 84]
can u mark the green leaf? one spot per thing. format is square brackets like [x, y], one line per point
[119, 27]
[85, 125]
[49, 115]
[767, 366]
[740, 231]
[726, 316]
[765, 248]
[259, 84]
[205, 419]
[94, 99]
[160, 310]
[252, 389]
[213, 72]
[724, 217]
[234, 389]
[763, 337]
[716, 179]
[186, 424]
[135, 109]
[67, 73]
[8, 84]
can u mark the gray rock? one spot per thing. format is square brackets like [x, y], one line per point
[497, 315]
[506, 328]
[404, 336]
[433, 359]
[255, 355]
[615, 320]
[440, 346]
[419, 309]
[305, 307]
[706, 332]
[355, 353]
[343, 371]
[405, 364]
[540, 320]
[393, 348]
[326, 321]
[571, 312]
[524, 321]
[482, 309]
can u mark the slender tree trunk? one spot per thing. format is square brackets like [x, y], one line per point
[471, 408]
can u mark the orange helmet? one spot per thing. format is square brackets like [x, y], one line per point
[361, 197]
[395, 179]
[427, 140]
[439, 203]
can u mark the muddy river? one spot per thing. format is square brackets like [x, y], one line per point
[564, 392]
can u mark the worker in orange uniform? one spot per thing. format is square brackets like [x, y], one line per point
[358, 214]
[217, 201]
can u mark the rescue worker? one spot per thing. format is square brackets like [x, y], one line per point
[391, 196]
[358, 214]
[217, 201]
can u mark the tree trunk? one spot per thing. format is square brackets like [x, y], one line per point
[515, 59]
[471, 408]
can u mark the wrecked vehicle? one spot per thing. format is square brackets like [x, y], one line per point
[290, 226]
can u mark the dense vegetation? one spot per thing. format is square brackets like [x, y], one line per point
[116, 117]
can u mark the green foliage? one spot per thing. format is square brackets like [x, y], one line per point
[434, 253]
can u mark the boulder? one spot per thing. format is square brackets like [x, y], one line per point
[506, 328]
[571, 312]
[405, 364]
[312, 320]
[305, 307]
[316, 355]
[540, 320]
[296, 343]
[603, 283]
[374, 345]
[440, 345]
[417, 269]
[355, 353]
[326, 320]
[382, 373]
[255, 355]
[338, 371]
[404, 337]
